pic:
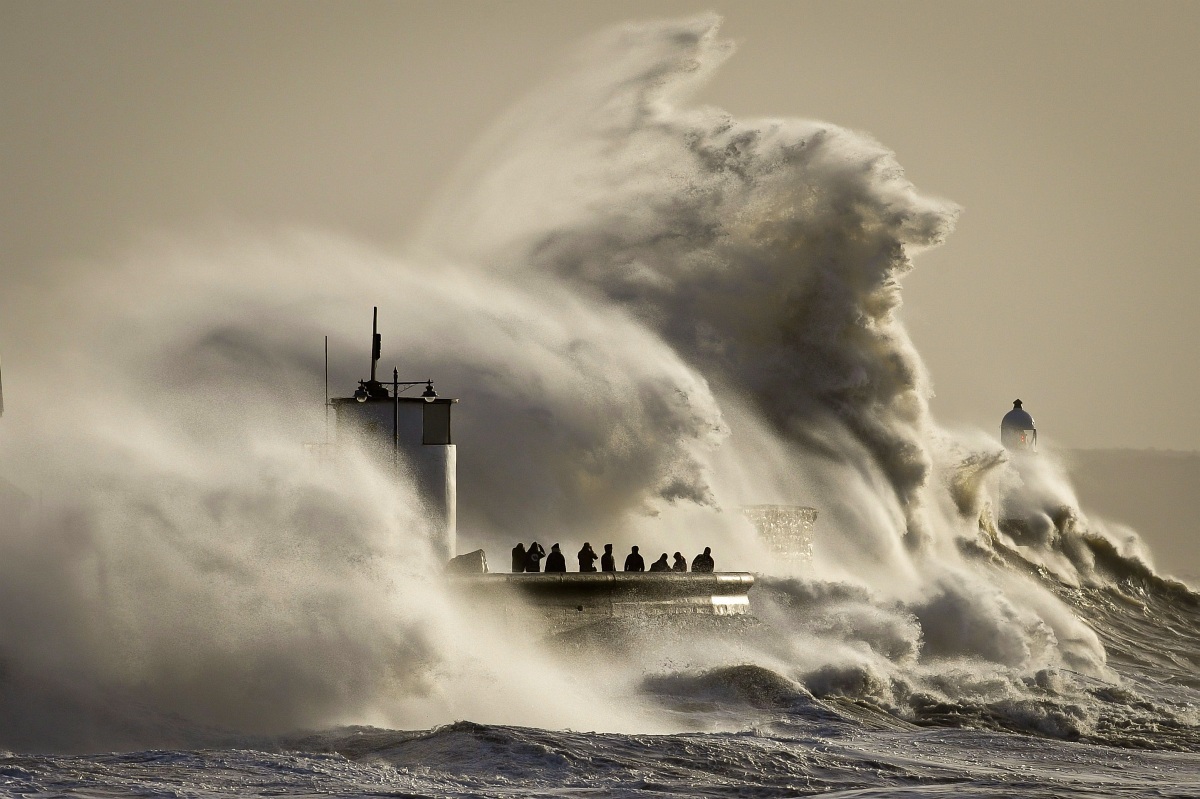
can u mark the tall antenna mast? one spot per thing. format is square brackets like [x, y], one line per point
[376, 341]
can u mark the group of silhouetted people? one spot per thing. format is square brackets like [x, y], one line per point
[530, 560]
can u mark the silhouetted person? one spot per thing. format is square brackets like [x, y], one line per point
[518, 564]
[680, 564]
[634, 562]
[533, 557]
[587, 558]
[555, 562]
[661, 564]
[703, 562]
[607, 562]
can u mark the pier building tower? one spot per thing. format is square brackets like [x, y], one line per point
[408, 433]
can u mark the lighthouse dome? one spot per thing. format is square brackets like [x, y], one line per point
[1017, 419]
[1017, 431]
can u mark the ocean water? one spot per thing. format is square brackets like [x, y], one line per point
[766, 735]
[655, 315]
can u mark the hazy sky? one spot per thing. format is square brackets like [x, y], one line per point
[1068, 131]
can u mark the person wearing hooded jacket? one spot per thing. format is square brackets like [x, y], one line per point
[533, 557]
[518, 557]
[661, 564]
[704, 562]
[680, 564]
[555, 562]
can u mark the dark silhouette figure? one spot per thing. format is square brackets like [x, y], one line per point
[661, 564]
[555, 562]
[634, 562]
[518, 564]
[607, 562]
[703, 562]
[587, 558]
[680, 564]
[533, 557]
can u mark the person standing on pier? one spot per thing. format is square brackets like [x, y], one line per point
[555, 562]
[587, 558]
[533, 557]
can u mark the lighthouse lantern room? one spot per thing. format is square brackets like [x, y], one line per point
[1017, 432]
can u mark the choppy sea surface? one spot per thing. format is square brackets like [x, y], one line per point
[770, 736]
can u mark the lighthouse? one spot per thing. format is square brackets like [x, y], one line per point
[1017, 432]
[412, 432]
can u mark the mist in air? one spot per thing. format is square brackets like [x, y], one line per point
[654, 314]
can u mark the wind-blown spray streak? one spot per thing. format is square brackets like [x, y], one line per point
[655, 314]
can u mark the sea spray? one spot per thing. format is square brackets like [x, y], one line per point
[654, 314]
[192, 576]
